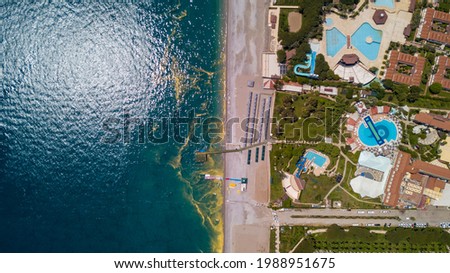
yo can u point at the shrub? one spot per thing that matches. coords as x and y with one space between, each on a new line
435 88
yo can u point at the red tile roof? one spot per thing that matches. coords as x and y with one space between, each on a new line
430 169
443 63
435 183
392 190
433 120
428 33
420 171
373 111
290 53
351 121
418 64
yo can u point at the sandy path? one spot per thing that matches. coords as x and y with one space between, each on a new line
246 220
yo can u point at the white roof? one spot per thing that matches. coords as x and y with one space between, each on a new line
379 163
290 191
328 90
367 187
359 74
294 88
270 65
444 201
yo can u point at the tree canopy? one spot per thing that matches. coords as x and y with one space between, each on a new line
435 88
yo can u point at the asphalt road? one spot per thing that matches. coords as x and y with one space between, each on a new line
325 217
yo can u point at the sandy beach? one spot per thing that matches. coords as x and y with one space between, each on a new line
246 216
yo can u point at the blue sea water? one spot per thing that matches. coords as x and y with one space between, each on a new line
68 68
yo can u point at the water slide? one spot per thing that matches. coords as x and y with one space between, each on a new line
310 63
373 130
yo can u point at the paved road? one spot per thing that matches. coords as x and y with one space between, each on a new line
432 216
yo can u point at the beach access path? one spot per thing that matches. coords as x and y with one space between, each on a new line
247 219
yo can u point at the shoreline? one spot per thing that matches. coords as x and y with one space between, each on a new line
224 112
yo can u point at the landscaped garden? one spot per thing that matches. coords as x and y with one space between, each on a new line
360 239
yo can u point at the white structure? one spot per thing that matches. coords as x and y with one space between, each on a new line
290 186
444 201
328 90
354 73
367 186
292 88
270 66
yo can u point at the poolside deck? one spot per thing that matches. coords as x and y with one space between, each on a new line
392 31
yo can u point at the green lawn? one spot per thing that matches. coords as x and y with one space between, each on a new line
280 156
359 239
316 188
350 203
288 2
290 236
305 117
272 241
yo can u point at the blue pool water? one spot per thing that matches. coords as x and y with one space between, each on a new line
318 159
329 21
359 40
385 3
386 130
335 41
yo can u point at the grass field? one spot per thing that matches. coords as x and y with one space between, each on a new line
361 240
316 188
290 236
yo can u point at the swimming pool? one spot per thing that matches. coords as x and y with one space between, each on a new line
386 129
329 22
317 159
385 3
367 40
335 41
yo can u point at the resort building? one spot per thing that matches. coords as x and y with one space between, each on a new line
328 90
371 175
290 54
352 45
270 66
433 120
293 87
312 161
417 184
442 75
351 70
435 26
380 17
269 84
405 68
293 185
445 151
